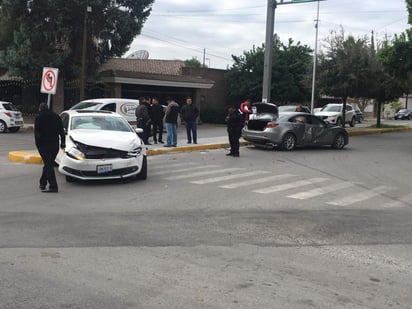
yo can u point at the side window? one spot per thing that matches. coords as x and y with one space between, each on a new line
348 107
316 122
65 120
298 119
109 107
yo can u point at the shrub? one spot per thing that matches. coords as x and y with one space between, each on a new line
213 115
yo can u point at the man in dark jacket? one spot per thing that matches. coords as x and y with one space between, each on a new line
158 114
189 114
143 120
234 130
48 127
172 113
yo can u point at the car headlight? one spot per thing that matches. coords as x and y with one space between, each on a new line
135 152
76 154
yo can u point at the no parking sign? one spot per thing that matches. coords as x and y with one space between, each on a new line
49 80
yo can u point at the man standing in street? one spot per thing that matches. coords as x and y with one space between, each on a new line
189 114
234 130
158 114
48 127
172 113
143 119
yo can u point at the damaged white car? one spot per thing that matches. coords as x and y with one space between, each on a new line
100 145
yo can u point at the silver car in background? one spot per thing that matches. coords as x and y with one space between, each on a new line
266 128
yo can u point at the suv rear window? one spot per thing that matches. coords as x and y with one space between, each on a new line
10 107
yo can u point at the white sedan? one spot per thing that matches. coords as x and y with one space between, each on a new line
100 145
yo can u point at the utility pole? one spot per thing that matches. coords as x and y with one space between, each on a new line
84 49
204 56
315 61
270 25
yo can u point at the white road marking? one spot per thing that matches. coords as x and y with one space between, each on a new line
291 185
166 166
361 196
191 175
256 181
228 177
321 191
187 169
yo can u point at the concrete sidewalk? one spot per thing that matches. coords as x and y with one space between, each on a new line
209 137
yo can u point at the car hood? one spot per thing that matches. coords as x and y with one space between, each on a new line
326 113
124 141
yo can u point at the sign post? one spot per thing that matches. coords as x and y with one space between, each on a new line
49 82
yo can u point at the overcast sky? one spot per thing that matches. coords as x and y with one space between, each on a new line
183 29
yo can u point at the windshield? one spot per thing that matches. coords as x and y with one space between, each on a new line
403 111
100 123
332 108
87 105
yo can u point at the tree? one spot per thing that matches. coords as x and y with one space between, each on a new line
50 33
193 63
290 74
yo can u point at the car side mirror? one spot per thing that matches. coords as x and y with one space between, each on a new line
139 130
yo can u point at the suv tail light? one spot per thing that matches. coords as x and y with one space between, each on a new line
272 124
7 114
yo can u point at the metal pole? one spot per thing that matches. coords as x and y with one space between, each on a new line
84 49
267 66
315 56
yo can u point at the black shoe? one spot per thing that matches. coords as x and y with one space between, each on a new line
189 142
147 143
161 142
235 155
194 142
42 187
50 190
229 154
155 142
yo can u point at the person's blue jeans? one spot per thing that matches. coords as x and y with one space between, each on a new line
191 131
171 131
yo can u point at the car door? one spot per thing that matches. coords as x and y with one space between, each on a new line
316 131
298 124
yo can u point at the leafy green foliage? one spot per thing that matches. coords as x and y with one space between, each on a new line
42 33
290 74
193 63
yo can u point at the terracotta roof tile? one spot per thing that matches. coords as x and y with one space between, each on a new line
149 66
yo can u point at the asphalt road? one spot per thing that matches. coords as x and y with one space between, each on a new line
312 228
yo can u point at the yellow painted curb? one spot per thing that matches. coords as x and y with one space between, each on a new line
25 157
34 158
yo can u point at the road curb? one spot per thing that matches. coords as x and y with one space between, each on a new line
31 157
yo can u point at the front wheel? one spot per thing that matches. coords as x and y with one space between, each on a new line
3 127
352 122
339 122
288 142
339 141
143 172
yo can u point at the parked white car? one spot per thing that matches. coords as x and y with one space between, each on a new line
332 113
100 145
11 118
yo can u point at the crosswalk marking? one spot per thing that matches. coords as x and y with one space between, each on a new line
167 166
401 202
256 181
191 175
291 185
228 177
321 191
187 169
361 196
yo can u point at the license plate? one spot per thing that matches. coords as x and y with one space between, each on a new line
18 122
102 169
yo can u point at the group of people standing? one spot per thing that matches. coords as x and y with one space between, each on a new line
151 115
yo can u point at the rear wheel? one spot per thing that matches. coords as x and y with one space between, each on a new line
352 122
339 122
143 172
288 142
339 141
3 126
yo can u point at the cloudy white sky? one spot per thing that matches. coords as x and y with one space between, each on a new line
182 29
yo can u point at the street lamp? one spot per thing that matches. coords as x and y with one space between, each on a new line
84 48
